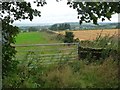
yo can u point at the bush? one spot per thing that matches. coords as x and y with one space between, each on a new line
78 74
69 37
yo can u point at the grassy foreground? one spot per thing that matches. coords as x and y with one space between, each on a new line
76 74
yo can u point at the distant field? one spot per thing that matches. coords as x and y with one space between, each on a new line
92 34
35 38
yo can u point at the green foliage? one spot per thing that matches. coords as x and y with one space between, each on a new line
32 29
103 46
76 66
62 26
10 12
60 37
8 52
92 75
76 74
54 27
92 11
26 76
110 43
118 26
69 37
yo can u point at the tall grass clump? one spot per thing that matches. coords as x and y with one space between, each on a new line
75 74
80 75
108 44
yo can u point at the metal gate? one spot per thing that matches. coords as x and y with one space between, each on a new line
48 53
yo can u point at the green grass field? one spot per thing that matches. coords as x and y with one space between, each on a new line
35 38
37 51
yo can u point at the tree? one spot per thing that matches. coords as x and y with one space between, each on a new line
54 27
92 11
69 37
118 26
67 26
12 11
32 29
61 26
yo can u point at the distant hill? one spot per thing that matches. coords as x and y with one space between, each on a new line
75 26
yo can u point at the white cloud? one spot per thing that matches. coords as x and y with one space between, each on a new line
57 12
54 12
113 19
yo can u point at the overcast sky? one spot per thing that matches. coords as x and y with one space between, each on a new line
56 12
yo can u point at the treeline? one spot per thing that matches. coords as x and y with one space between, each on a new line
62 26
30 29
118 26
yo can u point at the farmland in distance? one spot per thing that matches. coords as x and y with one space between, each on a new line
92 34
